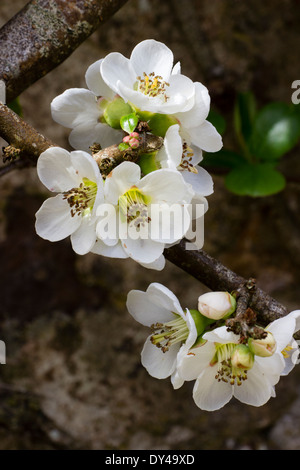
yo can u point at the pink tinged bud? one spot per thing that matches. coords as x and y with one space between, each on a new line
216 305
263 347
135 135
126 138
134 143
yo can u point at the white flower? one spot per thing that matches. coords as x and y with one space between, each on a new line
194 127
150 211
77 179
148 79
288 349
217 380
177 154
82 110
173 330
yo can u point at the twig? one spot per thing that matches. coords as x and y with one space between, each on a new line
20 135
216 276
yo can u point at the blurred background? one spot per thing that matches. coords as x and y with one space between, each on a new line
73 378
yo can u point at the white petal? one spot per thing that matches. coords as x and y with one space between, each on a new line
177 68
197 156
85 166
74 107
83 239
221 335
55 170
120 180
201 182
169 222
85 135
256 390
115 251
176 380
272 365
292 359
296 315
96 83
157 265
180 87
158 364
161 295
116 68
164 185
192 364
143 251
152 56
146 309
173 145
283 330
210 395
199 111
206 137
54 221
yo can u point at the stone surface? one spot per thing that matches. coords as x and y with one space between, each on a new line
73 377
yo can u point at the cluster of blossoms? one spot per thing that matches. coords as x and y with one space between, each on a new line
138 132
198 345
120 212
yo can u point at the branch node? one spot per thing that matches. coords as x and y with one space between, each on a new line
244 322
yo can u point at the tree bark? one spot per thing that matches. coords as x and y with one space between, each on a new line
43 34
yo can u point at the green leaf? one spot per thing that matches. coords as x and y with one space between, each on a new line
217 120
129 122
243 116
255 180
276 131
223 159
123 146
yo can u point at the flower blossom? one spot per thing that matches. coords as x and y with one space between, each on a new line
72 212
174 330
176 154
221 372
142 219
148 80
83 110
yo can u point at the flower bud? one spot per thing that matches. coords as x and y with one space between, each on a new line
114 111
264 347
216 305
242 357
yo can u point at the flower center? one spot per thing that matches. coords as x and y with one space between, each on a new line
81 200
134 207
167 334
152 85
186 159
226 371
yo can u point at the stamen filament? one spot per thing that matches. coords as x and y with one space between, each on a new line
172 332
